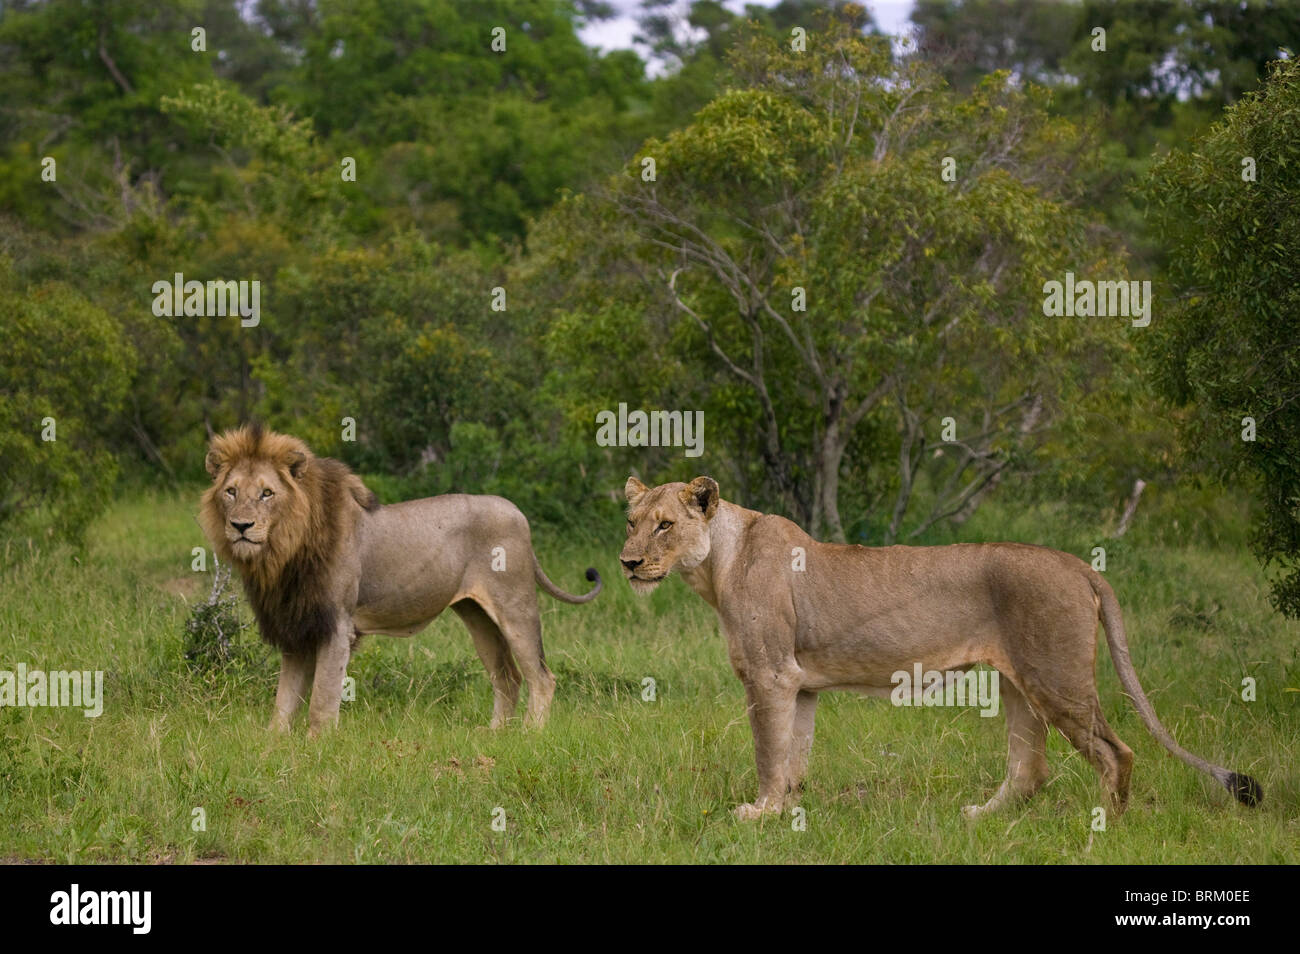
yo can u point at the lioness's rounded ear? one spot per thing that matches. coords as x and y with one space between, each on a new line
702 492
633 490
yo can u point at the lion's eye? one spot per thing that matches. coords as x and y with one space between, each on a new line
267 493
665 525
230 492
630 526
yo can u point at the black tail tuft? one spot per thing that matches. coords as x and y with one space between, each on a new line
1245 789
594 577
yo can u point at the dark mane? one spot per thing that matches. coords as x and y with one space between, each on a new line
296 613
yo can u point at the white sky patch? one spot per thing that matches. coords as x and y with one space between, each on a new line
616 33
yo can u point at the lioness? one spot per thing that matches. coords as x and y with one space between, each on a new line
855 615
323 564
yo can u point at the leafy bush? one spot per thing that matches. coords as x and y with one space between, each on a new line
64 371
212 632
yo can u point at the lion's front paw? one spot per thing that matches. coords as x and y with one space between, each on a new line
751 811
316 730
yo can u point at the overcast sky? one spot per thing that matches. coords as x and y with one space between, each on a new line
616 32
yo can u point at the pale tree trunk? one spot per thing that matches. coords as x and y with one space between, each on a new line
834 444
828 464
1130 507
907 463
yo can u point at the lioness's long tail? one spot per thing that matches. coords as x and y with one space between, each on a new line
545 583
1244 788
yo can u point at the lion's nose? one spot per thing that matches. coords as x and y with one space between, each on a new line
241 527
632 564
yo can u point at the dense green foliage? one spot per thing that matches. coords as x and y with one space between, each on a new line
1229 210
802 266
227 164
435 311
64 365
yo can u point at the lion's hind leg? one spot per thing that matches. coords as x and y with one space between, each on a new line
805 717
495 654
1026 752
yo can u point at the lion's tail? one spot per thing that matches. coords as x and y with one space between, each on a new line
545 583
1244 788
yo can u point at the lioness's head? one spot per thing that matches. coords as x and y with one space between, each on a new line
667 529
255 511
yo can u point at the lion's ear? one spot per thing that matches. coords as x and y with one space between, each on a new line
297 461
702 492
633 490
218 453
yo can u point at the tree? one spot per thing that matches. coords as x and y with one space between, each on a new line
1228 208
473 137
1167 69
969 39
1158 52
820 174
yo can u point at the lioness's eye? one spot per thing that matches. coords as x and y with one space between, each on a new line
267 493
230 491
665 525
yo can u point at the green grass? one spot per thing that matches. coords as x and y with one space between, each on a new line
411 777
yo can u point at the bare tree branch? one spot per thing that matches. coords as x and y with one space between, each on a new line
121 80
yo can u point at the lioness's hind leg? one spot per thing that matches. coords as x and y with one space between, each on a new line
1026 752
523 633
1088 731
495 654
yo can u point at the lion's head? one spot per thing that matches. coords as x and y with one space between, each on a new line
667 529
271 499
257 512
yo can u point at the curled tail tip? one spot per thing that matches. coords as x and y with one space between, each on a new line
592 575
1245 789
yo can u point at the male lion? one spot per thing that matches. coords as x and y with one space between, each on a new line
854 615
323 564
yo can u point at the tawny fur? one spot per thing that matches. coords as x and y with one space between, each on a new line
322 564
854 615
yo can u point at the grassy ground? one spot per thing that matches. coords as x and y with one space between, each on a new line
410 776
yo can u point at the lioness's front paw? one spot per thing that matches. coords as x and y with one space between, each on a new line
752 812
